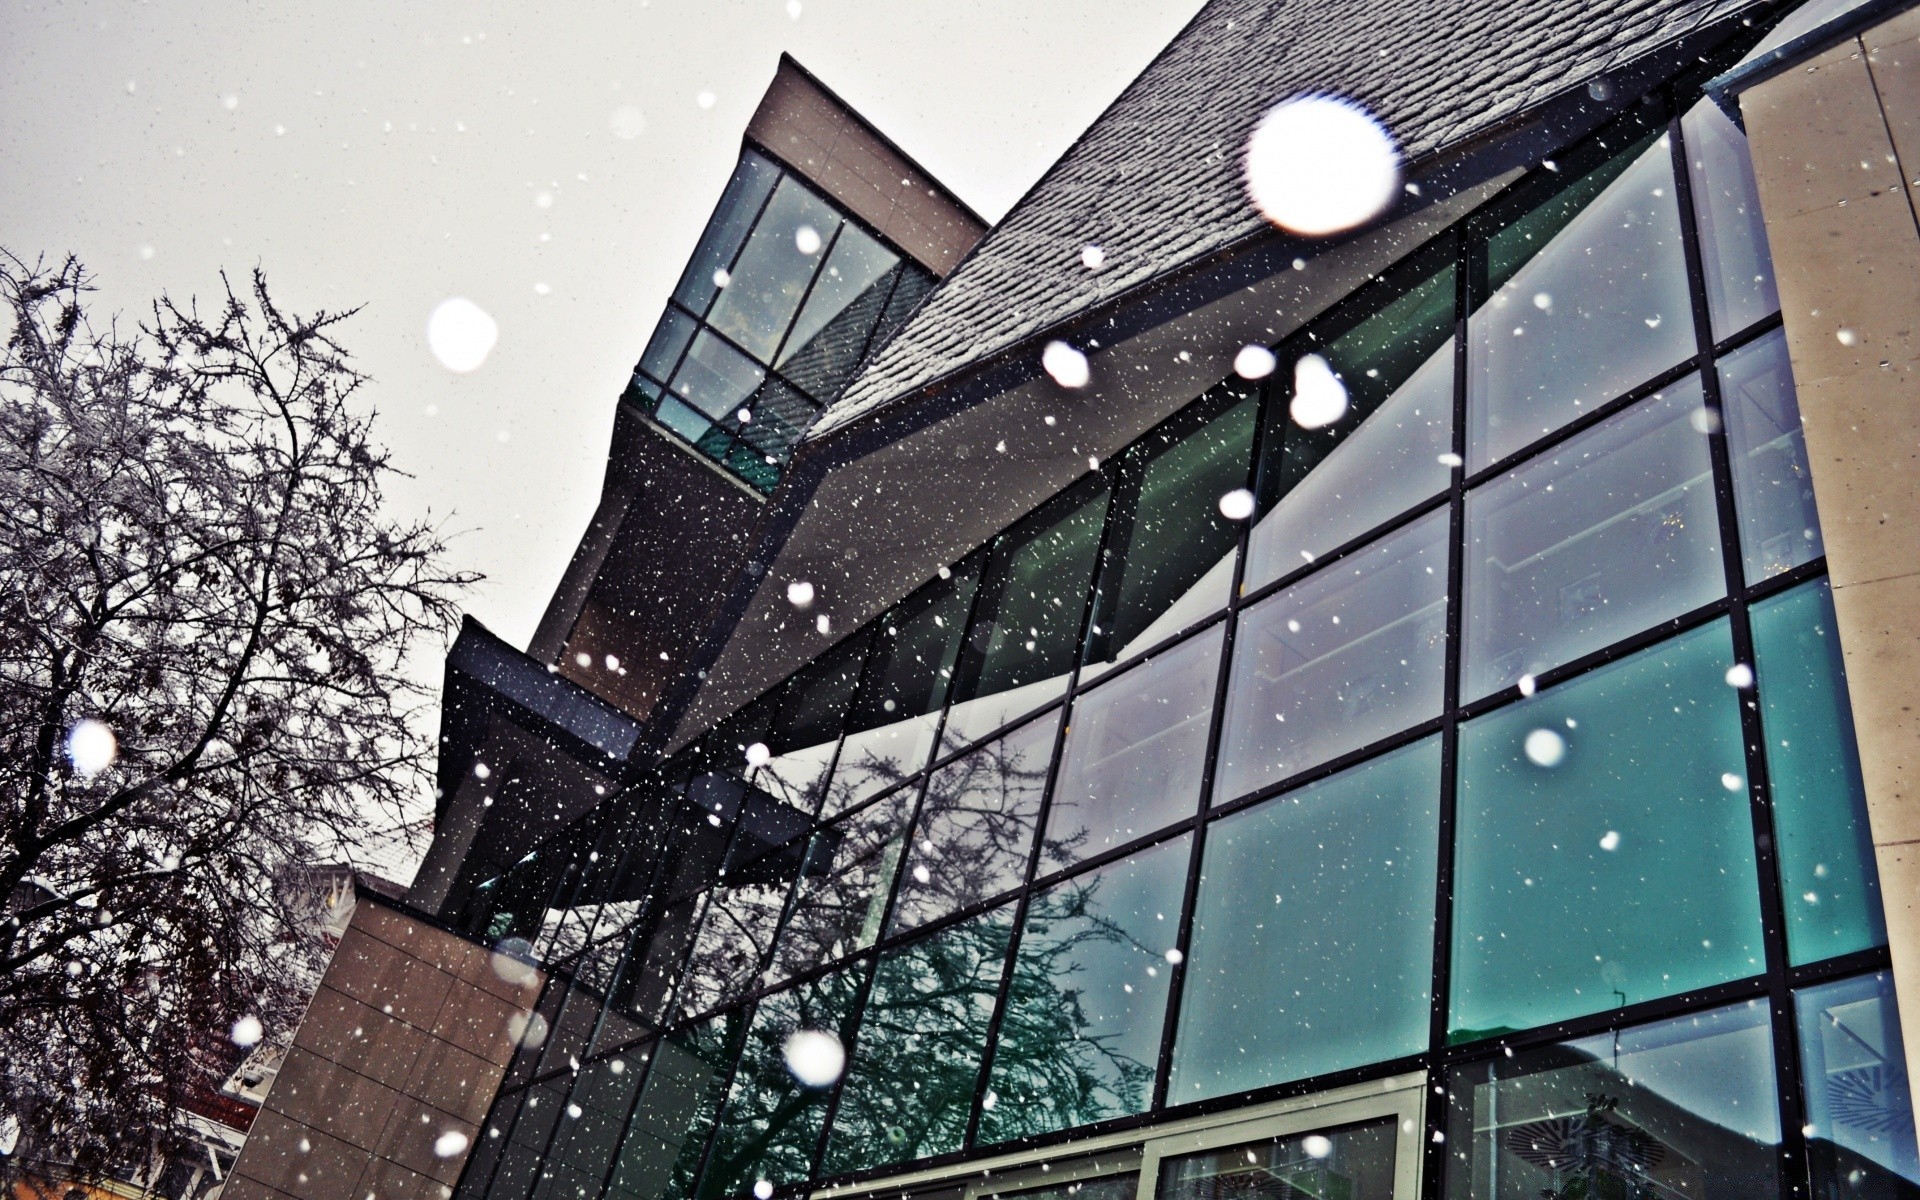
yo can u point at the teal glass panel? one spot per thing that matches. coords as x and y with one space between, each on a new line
1313 932
1682 1109
973 838
916 1066
1726 205
841 897
770 277
909 665
1169 558
1588 297
1604 535
1080 1041
1321 488
667 1133
1853 1065
1352 1162
752 181
770 1125
1828 880
1772 482
1345 657
682 419
1135 748
1604 843
1026 627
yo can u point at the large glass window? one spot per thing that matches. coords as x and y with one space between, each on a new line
1772 483
1828 880
1169 557
770 1125
831 332
668 1131
1595 540
805 734
1684 1108
1321 488
1355 1162
735 935
774 269
1726 205
912 1080
1586 297
1026 629
1313 933
1345 657
1080 1041
1860 1142
1135 748
890 730
841 898
753 181
1604 851
716 379
974 836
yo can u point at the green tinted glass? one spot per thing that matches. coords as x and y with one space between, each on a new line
911 1084
770 1125
1313 933
668 1131
1827 875
1605 843
1081 1037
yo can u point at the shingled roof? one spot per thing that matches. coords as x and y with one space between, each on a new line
1155 182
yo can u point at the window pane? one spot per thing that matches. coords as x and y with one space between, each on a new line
771 275
770 1125
653 965
806 733
1595 540
668 1132
1026 632
1685 1108
916 1066
1584 817
1339 660
1352 1163
682 419
1828 877
1080 1041
726 229
1772 485
715 378
1336 970
735 935
1134 751
1321 488
1726 207
1169 560
909 663
975 831
842 894
830 336
1589 298
1859 1114
780 415
670 337
584 1145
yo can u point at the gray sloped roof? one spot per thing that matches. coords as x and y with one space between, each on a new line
1155 182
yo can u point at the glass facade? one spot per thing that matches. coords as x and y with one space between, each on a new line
782 299
1505 744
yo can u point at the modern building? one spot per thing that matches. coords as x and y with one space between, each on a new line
1476 758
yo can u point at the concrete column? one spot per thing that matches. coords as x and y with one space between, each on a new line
1836 151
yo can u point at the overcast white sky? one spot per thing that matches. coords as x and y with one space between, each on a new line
394 155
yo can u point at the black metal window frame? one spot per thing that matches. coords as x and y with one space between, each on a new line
1775 984
725 438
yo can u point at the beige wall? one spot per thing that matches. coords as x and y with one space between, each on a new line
1836 149
406 1041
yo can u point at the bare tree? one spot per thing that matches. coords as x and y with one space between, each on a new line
204 616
